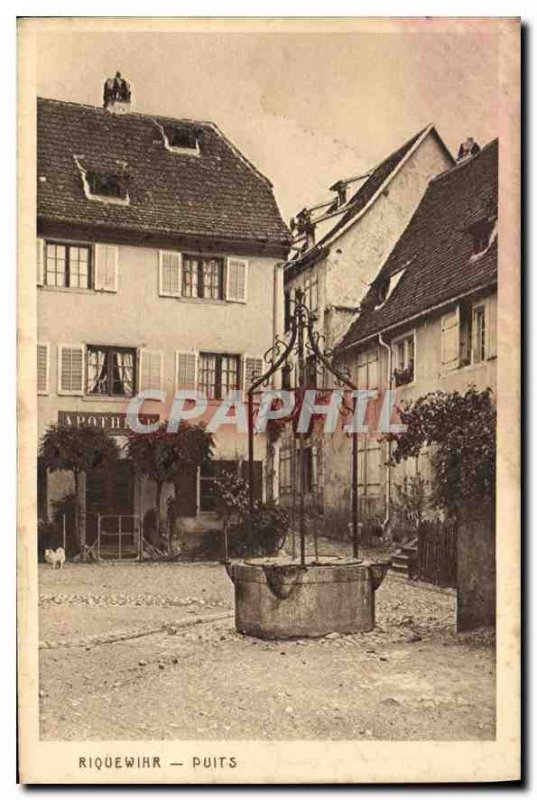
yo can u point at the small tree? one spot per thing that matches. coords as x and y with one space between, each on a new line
411 501
461 430
232 493
162 455
77 450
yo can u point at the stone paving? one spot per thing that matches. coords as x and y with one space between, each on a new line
149 651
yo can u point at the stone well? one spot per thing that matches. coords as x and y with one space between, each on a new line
280 599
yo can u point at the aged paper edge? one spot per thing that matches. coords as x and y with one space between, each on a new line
275 762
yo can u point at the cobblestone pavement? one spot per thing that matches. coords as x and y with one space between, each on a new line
149 651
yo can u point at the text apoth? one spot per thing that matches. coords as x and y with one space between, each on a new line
106 421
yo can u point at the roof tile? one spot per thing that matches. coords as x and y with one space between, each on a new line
219 194
435 249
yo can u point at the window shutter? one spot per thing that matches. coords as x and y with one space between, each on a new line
252 367
237 280
71 369
186 370
450 341
169 274
314 468
492 326
106 267
42 368
150 369
40 262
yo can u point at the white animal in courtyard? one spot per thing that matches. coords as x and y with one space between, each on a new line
54 557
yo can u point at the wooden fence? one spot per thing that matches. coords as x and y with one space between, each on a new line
436 560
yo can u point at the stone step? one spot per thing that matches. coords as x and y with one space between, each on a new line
409 548
400 558
400 569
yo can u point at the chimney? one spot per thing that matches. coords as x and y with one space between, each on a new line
305 226
117 94
467 149
341 188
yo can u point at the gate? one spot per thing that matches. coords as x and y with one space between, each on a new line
119 536
436 560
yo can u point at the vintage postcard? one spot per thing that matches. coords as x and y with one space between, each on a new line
269 388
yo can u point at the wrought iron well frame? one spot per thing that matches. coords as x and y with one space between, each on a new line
302 342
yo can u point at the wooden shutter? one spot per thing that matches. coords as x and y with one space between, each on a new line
450 341
40 262
314 468
251 366
42 368
186 370
492 307
237 280
106 267
71 370
169 274
150 362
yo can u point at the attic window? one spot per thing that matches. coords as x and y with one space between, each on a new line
102 184
386 287
181 140
483 235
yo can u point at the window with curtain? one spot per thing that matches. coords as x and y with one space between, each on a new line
203 277
404 360
479 334
219 374
111 371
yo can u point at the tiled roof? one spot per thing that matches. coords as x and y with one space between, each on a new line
435 250
218 194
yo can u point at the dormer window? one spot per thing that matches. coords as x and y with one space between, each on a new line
385 287
483 235
102 184
184 139
104 187
180 139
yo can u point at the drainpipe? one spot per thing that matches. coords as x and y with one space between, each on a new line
388 466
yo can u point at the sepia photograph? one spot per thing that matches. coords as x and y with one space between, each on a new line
268 400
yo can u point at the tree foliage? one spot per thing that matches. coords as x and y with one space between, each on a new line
162 455
410 502
77 450
461 431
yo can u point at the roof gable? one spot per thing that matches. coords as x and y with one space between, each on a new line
367 192
370 187
215 192
436 249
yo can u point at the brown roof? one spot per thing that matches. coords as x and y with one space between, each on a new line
218 195
435 250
